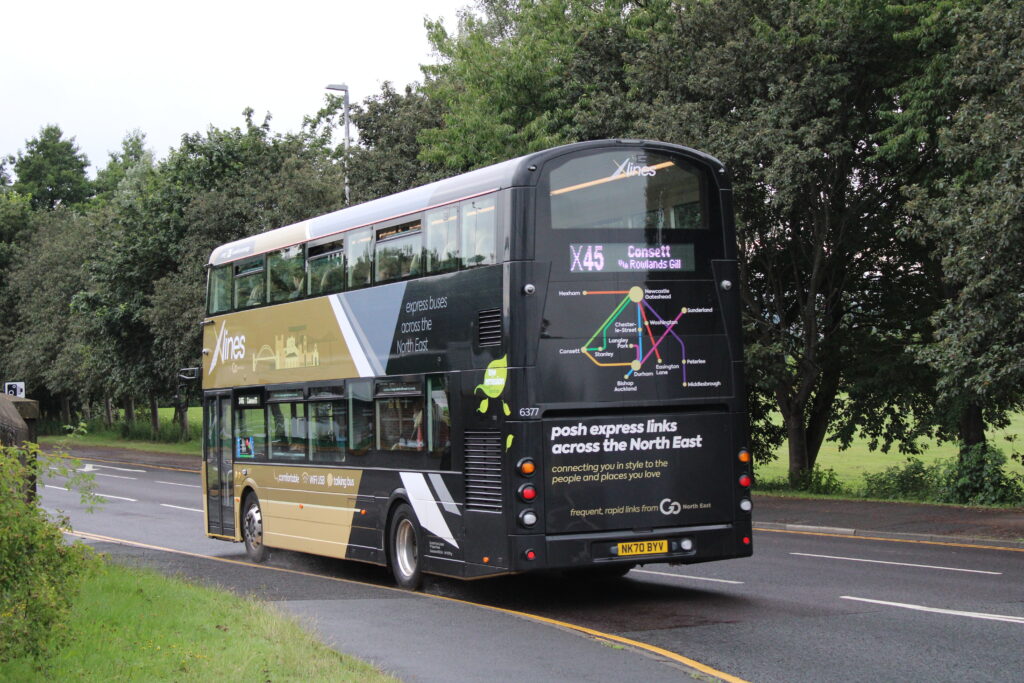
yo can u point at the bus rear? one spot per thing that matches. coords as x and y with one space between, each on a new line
627 426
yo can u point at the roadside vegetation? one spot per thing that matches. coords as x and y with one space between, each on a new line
68 615
120 433
129 624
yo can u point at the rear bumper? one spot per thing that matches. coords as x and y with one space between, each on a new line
576 551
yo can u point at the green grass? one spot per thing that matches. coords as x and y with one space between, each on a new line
130 624
851 465
138 435
194 447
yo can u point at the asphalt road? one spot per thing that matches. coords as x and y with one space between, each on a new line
805 607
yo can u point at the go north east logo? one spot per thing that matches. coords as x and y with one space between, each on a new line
227 347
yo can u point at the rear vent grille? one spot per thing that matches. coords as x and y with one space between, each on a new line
483 470
489 327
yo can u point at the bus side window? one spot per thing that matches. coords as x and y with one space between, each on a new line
442 247
288 431
400 423
249 286
478 232
325 267
219 297
328 425
359 247
398 252
251 434
361 417
439 419
285 274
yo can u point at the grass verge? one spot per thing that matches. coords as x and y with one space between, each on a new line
131 624
107 440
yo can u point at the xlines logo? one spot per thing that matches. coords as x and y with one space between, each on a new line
227 347
634 166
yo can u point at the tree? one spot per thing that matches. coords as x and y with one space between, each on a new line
963 113
133 151
387 158
51 170
791 96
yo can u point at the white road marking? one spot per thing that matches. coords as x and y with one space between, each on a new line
51 486
90 467
107 495
174 483
114 476
178 507
683 576
899 564
936 610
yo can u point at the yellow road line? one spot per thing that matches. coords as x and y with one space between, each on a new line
947 544
668 654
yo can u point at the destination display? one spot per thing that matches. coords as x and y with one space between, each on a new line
607 342
636 472
630 258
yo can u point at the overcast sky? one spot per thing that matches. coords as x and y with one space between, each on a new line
100 69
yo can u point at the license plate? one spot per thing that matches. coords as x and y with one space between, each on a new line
643 547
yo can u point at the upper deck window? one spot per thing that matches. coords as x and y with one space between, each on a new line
479 222
220 290
325 267
442 249
359 247
249 285
627 188
399 252
287 274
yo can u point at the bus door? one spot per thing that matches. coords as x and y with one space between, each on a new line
219 476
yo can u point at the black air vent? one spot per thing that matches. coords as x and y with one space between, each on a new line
488 331
483 470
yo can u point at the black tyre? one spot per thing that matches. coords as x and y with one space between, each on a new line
252 529
405 548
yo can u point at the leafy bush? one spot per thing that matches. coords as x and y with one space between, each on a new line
911 480
978 477
39 572
817 481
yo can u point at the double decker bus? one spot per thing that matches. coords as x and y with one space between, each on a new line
536 365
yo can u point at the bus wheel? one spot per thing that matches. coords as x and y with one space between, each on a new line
405 543
252 529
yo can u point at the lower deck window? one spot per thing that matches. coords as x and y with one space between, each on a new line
328 438
251 434
400 424
287 422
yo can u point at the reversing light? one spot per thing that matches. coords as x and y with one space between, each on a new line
745 480
746 505
527 518
528 492
686 544
526 467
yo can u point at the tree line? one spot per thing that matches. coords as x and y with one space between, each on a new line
877 156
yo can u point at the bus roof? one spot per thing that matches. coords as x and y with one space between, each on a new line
511 173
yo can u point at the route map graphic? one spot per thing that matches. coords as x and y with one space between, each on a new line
621 341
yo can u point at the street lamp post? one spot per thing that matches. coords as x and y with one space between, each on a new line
344 88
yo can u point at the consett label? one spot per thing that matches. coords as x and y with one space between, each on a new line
227 347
